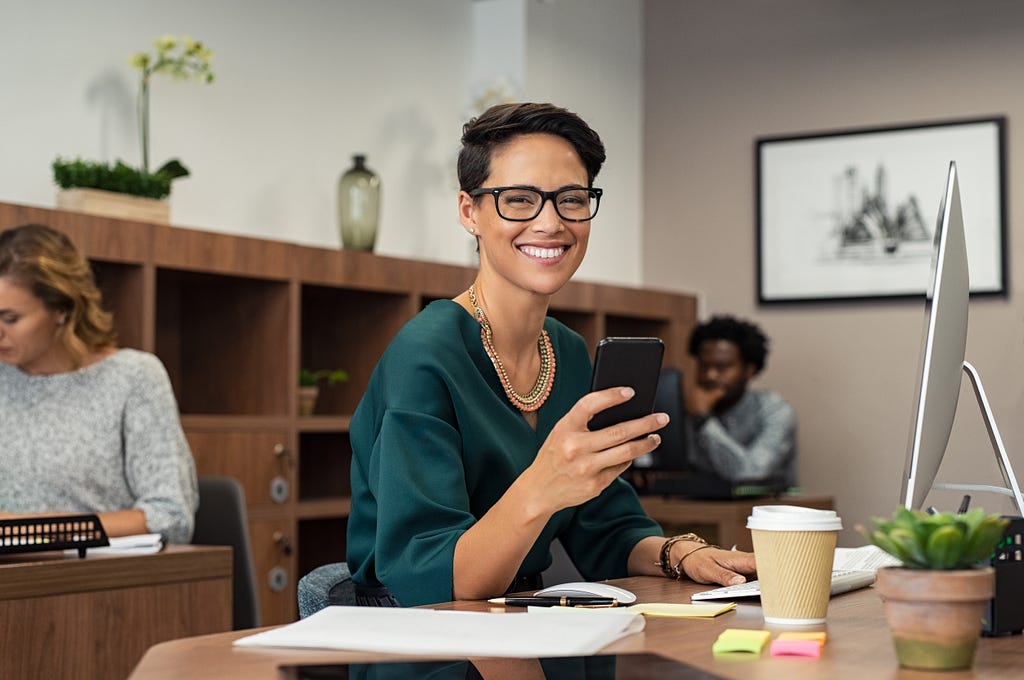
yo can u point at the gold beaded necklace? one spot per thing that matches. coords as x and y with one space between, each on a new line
545 379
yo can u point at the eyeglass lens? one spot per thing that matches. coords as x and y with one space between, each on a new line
526 204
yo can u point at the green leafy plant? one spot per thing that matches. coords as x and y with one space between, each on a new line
182 58
70 173
943 540
311 378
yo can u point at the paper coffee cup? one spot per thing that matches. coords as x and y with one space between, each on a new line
794 548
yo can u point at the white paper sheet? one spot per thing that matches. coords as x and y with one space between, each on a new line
450 633
865 558
138 544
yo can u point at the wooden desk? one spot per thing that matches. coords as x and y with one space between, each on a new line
858 647
95 617
721 522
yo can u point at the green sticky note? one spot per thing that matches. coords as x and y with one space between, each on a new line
740 640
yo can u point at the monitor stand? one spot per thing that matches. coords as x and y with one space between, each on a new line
1011 489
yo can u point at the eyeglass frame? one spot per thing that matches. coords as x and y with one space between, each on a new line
544 197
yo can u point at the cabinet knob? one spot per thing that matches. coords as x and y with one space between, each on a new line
283 542
277 579
282 452
280 489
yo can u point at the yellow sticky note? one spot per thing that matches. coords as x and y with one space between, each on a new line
816 635
694 611
740 640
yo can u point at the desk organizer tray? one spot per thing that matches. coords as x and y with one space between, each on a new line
59 532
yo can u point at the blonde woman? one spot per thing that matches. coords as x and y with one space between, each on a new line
85 427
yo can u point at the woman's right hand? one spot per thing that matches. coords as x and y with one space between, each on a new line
575 464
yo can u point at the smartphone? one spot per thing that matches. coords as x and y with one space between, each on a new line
627 362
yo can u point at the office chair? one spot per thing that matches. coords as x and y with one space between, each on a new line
221 520
331 584
328 584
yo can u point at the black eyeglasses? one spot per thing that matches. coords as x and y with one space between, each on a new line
522 204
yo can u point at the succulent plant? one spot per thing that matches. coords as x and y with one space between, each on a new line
311 378
943 540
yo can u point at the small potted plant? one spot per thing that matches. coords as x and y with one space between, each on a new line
119 189
309 386
935 603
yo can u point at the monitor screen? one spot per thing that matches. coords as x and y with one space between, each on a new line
945 340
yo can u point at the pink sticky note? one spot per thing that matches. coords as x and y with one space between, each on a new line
796 648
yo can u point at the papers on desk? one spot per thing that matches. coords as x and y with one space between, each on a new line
864 558
451 633
139 544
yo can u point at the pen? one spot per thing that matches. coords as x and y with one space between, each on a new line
555 601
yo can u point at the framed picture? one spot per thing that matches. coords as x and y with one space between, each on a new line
851 215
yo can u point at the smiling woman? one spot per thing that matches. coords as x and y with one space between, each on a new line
470 448
84 426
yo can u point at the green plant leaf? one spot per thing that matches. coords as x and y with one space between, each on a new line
945 546
172 169
983 540
912 551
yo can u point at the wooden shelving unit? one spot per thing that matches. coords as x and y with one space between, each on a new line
233 318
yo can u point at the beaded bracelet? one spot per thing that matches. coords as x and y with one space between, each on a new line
663 562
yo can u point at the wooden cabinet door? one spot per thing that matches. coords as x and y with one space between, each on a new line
261 460
273 546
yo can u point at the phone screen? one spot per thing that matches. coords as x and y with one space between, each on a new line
627 362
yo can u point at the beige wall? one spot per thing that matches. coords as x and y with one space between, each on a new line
719 75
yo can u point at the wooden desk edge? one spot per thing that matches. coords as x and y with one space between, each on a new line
56 575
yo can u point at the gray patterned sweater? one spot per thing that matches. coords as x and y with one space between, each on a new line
753 440
105 437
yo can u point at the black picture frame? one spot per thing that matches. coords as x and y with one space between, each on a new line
850 215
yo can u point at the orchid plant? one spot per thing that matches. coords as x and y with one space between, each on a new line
181 58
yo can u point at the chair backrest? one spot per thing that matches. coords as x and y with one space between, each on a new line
328 584
672 453
222 520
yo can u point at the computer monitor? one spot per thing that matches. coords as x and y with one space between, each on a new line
945 342
943 365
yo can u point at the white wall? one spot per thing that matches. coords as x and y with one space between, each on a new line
719 75
303 85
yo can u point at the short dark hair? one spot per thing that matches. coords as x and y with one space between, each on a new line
500 124
751 341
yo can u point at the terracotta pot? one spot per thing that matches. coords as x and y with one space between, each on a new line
307 400
935 616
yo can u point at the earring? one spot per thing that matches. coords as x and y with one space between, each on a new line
472 230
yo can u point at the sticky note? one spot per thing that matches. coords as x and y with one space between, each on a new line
697 611
816 635
795 648
740 640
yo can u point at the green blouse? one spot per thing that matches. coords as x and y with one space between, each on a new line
435 443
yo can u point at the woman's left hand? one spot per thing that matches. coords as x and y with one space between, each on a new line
709 564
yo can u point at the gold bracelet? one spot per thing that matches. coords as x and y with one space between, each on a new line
663 562
679 565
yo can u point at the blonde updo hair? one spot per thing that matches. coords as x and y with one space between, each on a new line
45 262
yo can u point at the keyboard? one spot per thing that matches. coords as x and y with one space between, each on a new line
843 580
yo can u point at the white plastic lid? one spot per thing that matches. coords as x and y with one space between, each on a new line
792 518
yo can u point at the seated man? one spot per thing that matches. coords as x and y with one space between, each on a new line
740 435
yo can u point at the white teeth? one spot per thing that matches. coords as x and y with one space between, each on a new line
543 253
